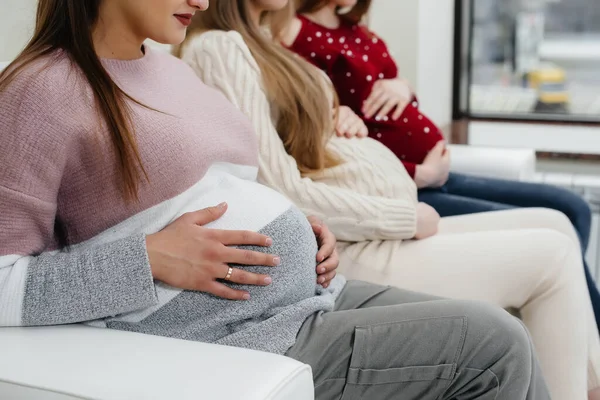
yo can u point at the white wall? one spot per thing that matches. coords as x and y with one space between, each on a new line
17 19
396 21
420 34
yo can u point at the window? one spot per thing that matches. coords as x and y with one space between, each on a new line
529 59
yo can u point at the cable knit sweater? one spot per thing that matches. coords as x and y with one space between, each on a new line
58 164
368 197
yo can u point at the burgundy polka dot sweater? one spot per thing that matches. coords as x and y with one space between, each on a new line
354 59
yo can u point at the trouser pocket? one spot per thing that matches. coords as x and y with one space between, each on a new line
405 360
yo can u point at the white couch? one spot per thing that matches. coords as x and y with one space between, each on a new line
80 362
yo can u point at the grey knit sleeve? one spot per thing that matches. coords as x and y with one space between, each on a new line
78 286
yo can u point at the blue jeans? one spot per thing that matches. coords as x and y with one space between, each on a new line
464 194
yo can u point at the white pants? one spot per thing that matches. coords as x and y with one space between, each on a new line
525 259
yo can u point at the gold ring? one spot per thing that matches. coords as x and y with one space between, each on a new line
229 272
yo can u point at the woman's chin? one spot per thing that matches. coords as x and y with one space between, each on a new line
171 38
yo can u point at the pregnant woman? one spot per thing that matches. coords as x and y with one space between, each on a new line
328 34
113 156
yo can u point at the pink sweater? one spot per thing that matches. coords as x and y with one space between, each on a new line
57 163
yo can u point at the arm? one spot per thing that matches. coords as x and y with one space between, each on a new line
222 60
304 48
290 33
40 287
62 288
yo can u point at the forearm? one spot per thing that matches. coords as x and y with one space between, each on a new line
424 176
76 286
350 216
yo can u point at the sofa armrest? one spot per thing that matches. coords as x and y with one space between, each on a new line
512 164
80 362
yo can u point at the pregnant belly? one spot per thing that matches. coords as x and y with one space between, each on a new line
255 208
260 209
295 278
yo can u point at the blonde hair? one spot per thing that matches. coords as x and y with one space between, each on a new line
304 118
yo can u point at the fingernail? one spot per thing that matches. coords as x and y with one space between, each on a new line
320 259
276 260
377 118
322 270
246 296
269 241
268 280
321 280
222 205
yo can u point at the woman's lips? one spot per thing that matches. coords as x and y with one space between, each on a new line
185 19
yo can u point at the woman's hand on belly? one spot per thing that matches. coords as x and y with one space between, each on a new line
349 124
188 256
386 96
327 258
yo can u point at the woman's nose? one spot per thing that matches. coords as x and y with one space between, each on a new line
199 4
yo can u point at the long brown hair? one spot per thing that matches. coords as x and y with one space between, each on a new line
355 15
67 25
304 119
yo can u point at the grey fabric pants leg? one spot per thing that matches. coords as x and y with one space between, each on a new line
387 343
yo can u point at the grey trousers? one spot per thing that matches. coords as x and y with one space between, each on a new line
387 343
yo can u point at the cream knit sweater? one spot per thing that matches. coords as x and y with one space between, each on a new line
368 197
